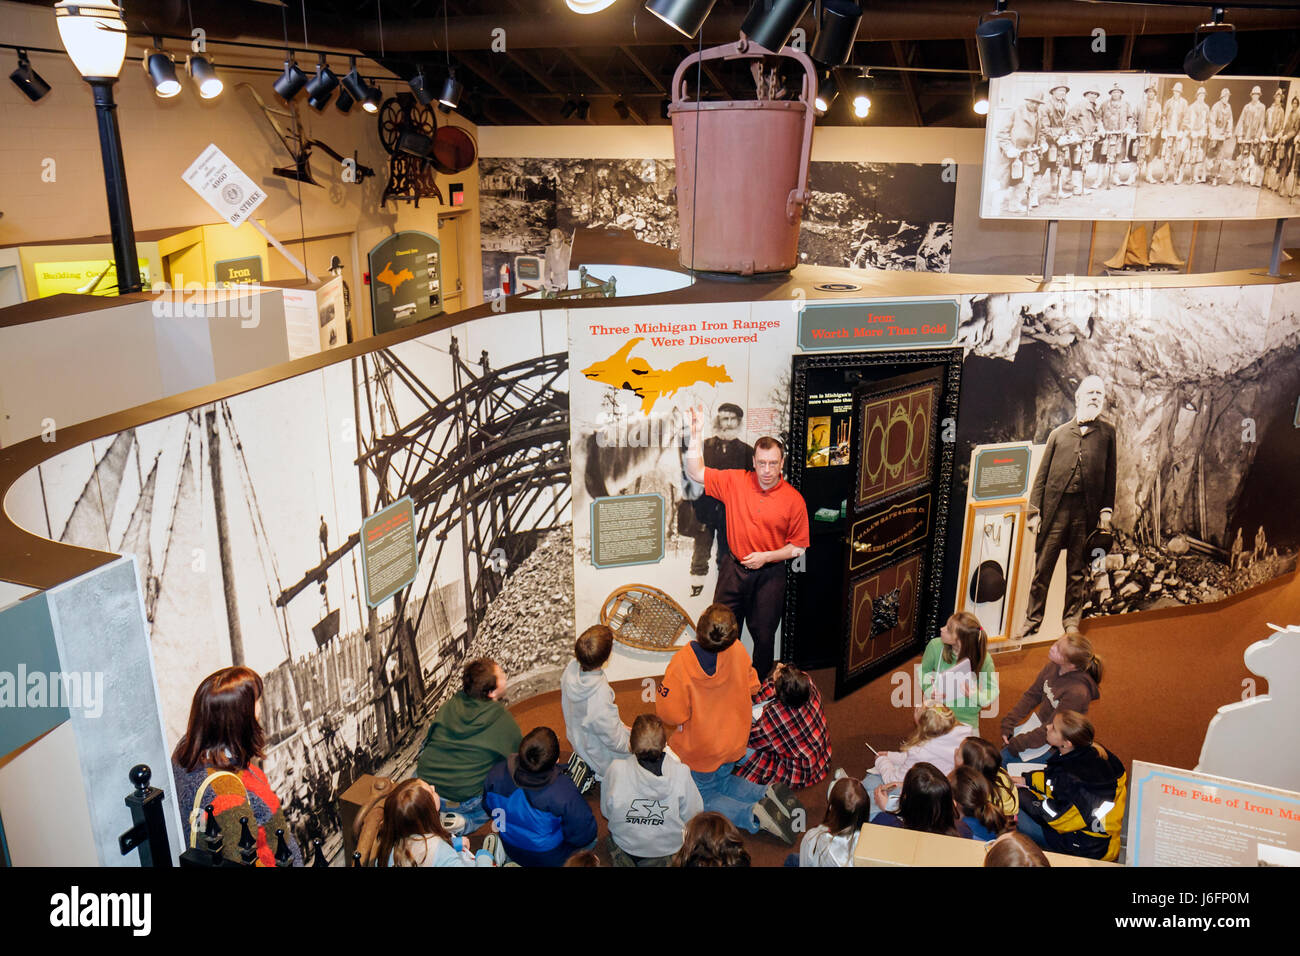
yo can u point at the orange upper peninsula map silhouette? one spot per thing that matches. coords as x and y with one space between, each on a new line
394 279
650 384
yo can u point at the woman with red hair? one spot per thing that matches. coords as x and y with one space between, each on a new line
218 761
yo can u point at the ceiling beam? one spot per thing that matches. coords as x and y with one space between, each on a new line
605 87
493 79
645 70
1049 53
909 83
709 73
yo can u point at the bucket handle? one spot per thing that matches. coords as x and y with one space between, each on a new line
744 49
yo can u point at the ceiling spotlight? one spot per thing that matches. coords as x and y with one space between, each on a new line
1212 53
568 109
980 103
684 16
344 101
161 69
94 36
621 108
861 96
836 32
419 85
584 107
996 39
826 93
200 68
353 83
27 79
374 96
588 6
288 83
321 86
769 22
451 90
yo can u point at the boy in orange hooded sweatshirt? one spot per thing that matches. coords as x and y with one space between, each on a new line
707 693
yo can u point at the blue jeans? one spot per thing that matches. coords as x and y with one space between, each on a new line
734 797
1031 828
871 781
472 810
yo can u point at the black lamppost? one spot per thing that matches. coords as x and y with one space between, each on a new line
95 37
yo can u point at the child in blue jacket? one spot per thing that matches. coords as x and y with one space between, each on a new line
535 808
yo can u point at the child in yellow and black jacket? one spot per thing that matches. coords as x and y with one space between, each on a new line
1075 804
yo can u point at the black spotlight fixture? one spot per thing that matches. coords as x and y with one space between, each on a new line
353 83
419 85
621 108
996 38
321 86
344 101
374 97
161 69
289 83
584 108
684 16
449 98
836 32
770 22
569 108
826 93
1215 51
27 79
205 75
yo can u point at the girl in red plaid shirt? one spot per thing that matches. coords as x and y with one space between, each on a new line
788 743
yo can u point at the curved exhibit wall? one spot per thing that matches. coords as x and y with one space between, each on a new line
245 515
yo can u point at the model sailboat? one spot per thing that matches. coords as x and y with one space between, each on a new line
1133 254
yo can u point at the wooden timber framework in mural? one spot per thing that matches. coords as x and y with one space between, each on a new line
490 459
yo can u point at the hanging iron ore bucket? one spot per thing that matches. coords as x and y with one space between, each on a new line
742 171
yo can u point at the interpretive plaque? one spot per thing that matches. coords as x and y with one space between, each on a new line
388 554
626 530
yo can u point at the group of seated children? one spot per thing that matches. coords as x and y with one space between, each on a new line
740 750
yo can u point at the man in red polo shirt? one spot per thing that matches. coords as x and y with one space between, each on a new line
767 525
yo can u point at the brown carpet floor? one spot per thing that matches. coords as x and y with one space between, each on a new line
1166 673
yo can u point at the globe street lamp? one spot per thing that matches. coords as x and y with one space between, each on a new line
95 37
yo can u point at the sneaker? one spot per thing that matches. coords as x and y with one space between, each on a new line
771 819
784 798
454 823
492 843
1030 629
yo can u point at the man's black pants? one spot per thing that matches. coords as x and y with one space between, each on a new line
756 598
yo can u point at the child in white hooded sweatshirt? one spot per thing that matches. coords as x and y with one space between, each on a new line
591 719
648 799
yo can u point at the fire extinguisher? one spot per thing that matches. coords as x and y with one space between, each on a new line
505 278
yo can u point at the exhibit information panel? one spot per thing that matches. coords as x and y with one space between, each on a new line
877 325
627 530
388 553
1185 818
1140 147
1001 472
405 280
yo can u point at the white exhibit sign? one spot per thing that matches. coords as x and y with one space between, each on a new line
224 186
